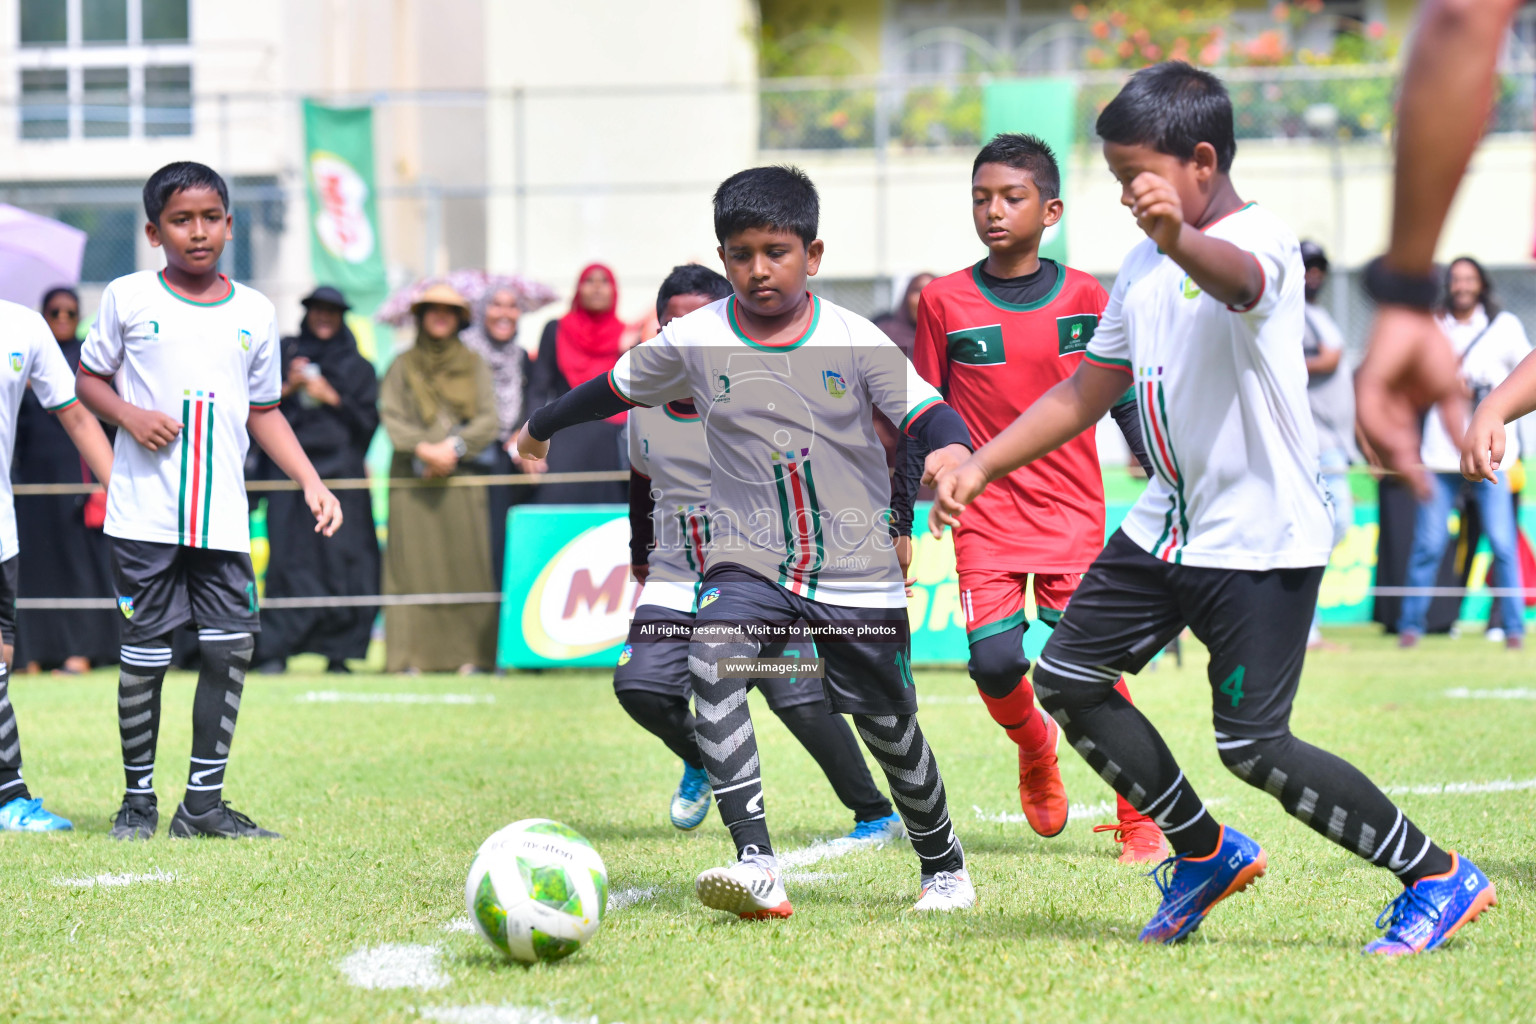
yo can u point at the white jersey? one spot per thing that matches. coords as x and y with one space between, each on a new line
1488 351
799 491
666 446
1223 398
32 358
205 365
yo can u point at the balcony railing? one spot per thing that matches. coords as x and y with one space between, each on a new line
934 112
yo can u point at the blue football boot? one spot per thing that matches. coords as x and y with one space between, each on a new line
1430 910
27 815
690 804
1191 886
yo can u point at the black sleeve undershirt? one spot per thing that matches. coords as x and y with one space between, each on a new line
934 429
1128 419
586 403
642 528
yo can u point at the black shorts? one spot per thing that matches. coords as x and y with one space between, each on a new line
655 659
10 573
867 652
1130 605
161 587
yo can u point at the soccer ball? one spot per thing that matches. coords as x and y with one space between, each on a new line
537 890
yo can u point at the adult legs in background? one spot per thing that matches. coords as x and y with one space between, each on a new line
1497 507
1429 538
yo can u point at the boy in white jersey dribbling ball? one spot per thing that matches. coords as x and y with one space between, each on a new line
1231 535
194 360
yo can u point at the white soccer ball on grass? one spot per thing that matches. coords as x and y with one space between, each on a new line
537 890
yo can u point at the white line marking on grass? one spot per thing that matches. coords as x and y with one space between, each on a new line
1075 812
632 895
504 1014
395 965
108 881
811 877
460 924
944 698
1513 693
1459 788
347 697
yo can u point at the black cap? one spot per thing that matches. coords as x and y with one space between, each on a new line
325 295
1312 255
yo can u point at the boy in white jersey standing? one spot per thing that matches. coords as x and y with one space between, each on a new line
34 361
1231 535
195 360
799 511
669 530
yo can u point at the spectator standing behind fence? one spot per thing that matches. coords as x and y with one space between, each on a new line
493 337
1331 394
330 398
1488 344
439 408
582 344
67 554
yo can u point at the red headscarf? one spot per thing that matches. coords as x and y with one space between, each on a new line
586 343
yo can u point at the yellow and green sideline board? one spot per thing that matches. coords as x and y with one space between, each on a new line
568 595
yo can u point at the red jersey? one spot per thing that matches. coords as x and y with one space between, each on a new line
993 359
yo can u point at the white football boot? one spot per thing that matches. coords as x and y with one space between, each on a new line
946 890
751 888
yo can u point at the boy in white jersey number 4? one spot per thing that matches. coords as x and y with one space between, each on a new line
799 510
194 357
1231 535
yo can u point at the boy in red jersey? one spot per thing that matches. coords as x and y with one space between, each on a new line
993 338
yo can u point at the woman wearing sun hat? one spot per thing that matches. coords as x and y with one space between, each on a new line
438 404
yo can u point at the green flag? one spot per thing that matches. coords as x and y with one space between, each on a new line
1044 107
343 213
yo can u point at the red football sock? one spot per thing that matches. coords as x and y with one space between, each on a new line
1016 714
1123 808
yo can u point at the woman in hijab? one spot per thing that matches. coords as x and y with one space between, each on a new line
330 398
438 403
583 344
66 553
493 337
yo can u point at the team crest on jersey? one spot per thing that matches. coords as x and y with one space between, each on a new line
722 388
1074 332
244 337
625 654
834 383
154 331
125 605
1189 288
16 361
709 597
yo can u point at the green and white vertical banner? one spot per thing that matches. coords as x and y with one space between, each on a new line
346 249
1043 107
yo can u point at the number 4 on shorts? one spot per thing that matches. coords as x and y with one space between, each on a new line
1233 686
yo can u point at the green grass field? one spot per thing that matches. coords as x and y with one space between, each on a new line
384 804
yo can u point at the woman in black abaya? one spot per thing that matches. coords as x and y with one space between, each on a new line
63 551
330 397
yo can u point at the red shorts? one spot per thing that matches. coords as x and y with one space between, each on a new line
993 599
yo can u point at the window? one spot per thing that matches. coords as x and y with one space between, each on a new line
105 111
112 235
165 21
102 69
43 22
167 101
45 104
104 21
